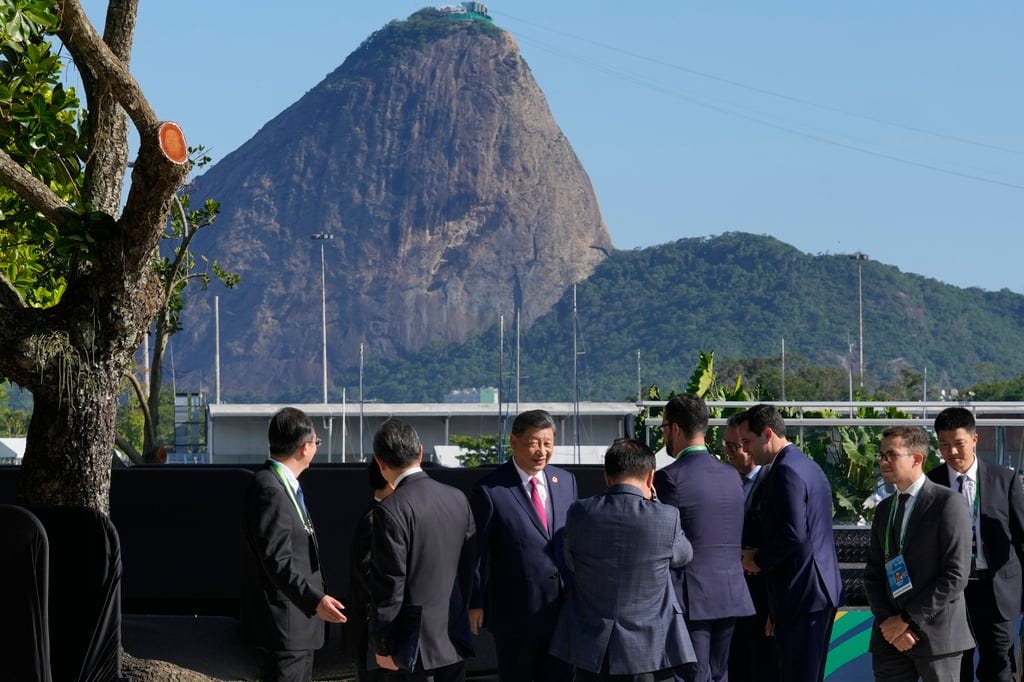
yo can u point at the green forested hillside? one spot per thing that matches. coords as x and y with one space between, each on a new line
739 295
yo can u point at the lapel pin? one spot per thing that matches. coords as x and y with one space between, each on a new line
554 479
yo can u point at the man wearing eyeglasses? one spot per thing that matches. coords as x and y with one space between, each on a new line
284 600
710 589
752 654
918 562
993 496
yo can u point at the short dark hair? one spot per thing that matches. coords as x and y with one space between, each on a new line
628 458
914 438
688 411
396 443
760 417
377 480
532 419
290 428
953 418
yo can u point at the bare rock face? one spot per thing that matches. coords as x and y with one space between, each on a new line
453 197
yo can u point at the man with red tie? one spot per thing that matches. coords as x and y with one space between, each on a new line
520 511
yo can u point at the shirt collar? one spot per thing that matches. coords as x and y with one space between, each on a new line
289 476
971 473
914 488
406 474
525 477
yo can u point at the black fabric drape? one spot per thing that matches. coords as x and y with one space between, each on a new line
84 595
25 643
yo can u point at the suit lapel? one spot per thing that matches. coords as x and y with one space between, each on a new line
518 492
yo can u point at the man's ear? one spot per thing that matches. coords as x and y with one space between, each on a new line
419 456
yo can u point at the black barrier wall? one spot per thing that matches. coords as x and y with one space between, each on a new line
180 527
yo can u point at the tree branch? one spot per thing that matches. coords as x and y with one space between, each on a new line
9 296
35 193
89 51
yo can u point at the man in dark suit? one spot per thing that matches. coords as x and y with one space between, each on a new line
423 548
520 513
798 555
709 497
752 654
994 497
283 589
621 620
359 601
918 561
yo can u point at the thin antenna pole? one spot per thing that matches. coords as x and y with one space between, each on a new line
360 400
216 350
518 351
501 365
783 368
575 378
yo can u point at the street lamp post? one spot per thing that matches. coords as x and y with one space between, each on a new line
860 257
322 237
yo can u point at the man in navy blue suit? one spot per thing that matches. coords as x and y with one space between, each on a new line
622 620
995 499
709 496
520 511
798 555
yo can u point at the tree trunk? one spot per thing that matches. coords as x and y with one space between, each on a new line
70 445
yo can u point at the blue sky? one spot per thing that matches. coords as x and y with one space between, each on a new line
896 129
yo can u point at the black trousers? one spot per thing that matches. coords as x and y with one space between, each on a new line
285 666
752 654
803 646
993 635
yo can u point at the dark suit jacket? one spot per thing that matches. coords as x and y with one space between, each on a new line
520 567
798 555
423 546
753 538
1001 510
709 497
937 551
622 605
281 578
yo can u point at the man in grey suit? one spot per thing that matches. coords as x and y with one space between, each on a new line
423 548
917 568
621 620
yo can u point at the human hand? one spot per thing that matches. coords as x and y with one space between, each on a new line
892 628
386 662
749 565
330 608
769 627
476 620
905 642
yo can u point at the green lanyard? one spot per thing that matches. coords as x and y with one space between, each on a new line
278 469
692 448
892 517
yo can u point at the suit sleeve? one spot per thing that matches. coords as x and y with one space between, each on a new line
271 527
954 556
1016 505
682 550
665 487
387 576
483 516
467 558
786 516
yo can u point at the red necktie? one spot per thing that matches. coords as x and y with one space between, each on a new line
538 503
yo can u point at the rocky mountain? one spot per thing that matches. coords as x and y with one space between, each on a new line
431 157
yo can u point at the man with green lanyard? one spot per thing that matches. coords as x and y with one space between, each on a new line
284 600
995 499
709 495
918 562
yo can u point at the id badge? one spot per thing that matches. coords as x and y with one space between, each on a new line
899 579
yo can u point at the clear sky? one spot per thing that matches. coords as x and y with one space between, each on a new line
892 128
